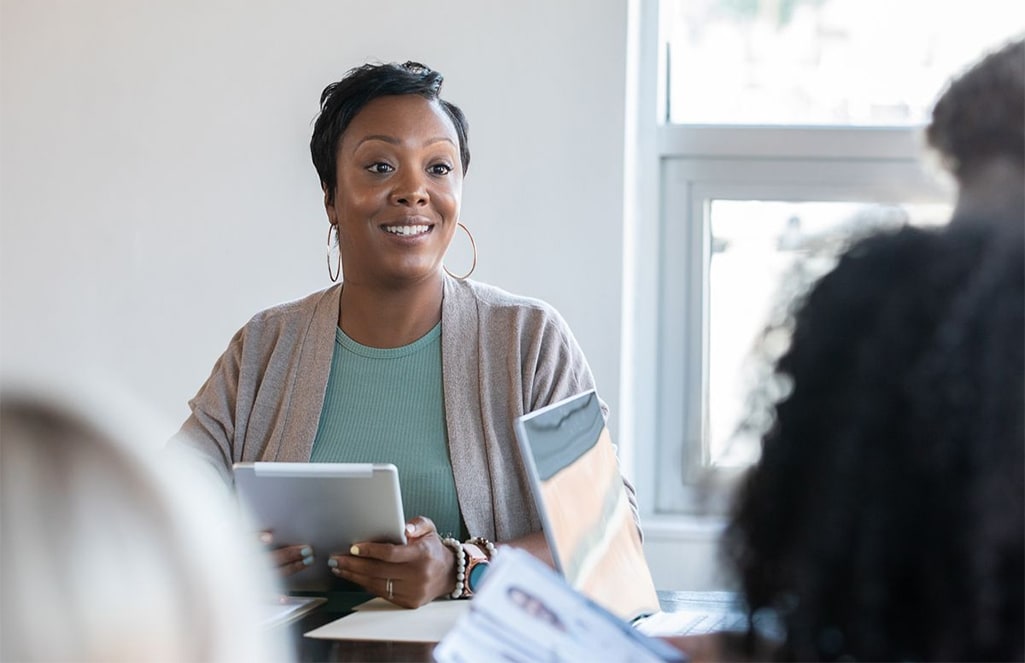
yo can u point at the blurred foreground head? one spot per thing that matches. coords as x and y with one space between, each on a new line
886 517
107 556
978 129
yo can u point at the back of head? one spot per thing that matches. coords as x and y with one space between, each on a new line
981 114
106 559
886 517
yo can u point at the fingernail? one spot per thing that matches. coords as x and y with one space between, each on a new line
410 528
308 560
266 538
354 550
333 563
337 572
306 551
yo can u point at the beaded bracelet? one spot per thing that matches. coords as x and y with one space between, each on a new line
488 547
457 550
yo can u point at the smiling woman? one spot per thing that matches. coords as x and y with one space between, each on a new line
401 362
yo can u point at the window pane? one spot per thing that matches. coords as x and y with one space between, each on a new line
763 251
823 62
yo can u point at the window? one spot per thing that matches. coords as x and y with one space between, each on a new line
769 133
821 62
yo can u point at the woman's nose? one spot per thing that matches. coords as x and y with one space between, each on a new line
410 190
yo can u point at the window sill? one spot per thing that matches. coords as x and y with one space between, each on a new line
682 528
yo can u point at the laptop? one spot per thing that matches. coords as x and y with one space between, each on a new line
588 522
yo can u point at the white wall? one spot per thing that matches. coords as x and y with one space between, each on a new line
157 188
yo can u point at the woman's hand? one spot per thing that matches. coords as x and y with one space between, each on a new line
407 575
288 560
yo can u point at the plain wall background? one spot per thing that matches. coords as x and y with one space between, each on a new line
157 188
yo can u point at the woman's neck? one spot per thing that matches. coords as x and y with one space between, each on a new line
390 317
993 191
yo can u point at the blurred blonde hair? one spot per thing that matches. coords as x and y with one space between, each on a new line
113 551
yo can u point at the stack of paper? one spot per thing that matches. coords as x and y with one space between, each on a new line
378 619
526 612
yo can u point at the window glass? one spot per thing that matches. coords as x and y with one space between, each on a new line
763 253
823 62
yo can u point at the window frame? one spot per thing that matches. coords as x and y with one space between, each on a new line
673 172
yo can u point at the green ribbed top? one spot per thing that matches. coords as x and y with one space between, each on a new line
387 406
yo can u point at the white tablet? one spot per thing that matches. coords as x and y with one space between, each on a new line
328 506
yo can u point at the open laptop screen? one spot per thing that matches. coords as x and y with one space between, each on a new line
583 504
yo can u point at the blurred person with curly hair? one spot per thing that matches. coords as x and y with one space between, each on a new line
978 130
885 519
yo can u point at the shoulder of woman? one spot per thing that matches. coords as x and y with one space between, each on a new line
297 311
492 299
290 322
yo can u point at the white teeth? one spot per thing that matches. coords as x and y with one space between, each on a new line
406 230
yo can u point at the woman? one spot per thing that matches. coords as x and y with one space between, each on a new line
885 519
401 362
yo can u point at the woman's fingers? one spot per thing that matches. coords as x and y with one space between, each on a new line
420 571
420 527
416 529
389 581
290 560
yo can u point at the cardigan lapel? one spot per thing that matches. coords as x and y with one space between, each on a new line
309 379
460 369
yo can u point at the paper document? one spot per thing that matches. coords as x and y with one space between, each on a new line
525 612
378 619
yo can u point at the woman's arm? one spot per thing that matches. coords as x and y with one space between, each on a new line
534 543
210 427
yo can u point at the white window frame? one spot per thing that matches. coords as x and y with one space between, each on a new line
672 173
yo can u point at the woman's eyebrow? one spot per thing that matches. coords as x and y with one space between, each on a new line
387 139
396 141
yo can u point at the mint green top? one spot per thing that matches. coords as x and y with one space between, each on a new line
387 406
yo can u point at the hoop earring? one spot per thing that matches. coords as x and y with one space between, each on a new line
474 265
338 260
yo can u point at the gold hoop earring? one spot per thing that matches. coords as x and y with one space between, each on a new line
474 265
338 260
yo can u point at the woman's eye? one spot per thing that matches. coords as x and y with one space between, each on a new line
440 169
380 168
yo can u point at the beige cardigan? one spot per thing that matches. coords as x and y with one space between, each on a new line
502 356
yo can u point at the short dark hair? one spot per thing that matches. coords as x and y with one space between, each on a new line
342 100
885 519
981 114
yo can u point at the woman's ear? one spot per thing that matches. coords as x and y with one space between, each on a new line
329 205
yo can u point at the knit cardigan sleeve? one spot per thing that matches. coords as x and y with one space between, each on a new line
264 395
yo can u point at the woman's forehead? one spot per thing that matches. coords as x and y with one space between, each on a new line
399 117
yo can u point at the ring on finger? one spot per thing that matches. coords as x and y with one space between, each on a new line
388 587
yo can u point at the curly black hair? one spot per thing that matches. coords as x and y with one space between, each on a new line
885 519
342 100
981 114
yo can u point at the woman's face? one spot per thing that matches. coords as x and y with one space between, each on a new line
398 191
